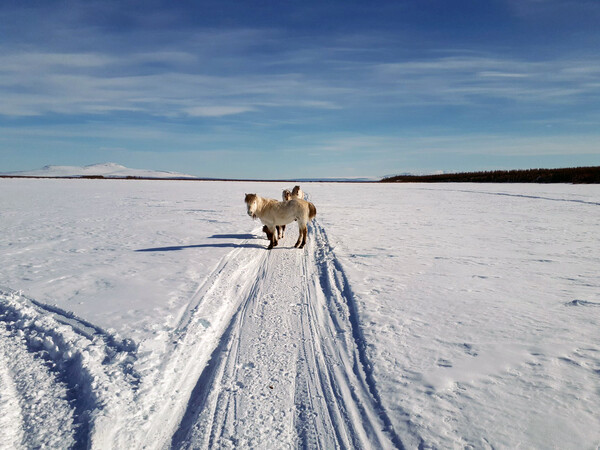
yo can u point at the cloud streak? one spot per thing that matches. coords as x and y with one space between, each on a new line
34 84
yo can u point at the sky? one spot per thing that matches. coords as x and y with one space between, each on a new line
289 89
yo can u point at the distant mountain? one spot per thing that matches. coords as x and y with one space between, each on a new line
106 170
112 170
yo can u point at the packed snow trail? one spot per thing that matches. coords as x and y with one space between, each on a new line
289 371
268 353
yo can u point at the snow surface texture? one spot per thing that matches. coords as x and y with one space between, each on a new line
107 170
149 314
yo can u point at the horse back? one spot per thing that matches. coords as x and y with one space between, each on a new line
303 208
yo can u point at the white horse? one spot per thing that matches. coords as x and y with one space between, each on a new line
280 229
287 195
273 213
294 193
297 192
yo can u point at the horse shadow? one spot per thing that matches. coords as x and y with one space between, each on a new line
215 245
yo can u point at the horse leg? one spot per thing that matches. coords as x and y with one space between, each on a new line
304 233
301 229
269 236
282 231
274 232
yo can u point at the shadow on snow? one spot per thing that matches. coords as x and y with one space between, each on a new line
173 248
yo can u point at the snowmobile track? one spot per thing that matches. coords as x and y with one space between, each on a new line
291 368
268 354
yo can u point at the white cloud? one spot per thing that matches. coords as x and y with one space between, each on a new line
479 80
493 73
461 144
180 83
216 111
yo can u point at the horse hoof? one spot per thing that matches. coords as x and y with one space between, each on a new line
270 247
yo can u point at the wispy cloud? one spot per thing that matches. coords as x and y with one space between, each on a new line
175 85
216 111
476 79
390 146
161 83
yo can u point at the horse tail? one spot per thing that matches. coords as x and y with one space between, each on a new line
312 211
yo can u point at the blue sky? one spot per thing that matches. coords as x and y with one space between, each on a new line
265 89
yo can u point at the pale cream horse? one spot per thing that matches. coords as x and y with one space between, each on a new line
294 193
287 195
273 213
297 192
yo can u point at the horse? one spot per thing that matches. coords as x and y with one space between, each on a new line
297 192
272 213
287 195
294 193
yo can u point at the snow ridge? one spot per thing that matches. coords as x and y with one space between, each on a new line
97 378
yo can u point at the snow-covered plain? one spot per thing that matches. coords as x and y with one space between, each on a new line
149 314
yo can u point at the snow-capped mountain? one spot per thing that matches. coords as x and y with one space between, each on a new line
107 170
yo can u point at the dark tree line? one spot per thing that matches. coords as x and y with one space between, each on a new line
566 175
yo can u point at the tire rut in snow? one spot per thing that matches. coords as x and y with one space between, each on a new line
245 395
289 372
343 312
203 330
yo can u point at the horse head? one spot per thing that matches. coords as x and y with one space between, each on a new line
297 192
251 204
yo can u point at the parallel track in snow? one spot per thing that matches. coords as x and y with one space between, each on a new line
290 370
268 354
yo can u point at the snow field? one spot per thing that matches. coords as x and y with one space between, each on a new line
417 315
465 295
